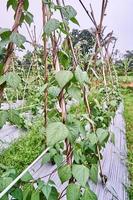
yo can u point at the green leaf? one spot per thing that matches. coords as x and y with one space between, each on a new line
46 158
63 77
28 18
9 172
4 30
17 194
26 4
64 58
58 159
81 76
102 135
17 39
3 43
89 195
1 70
5 197
56 132
35 195
14 118
4 182
12 3
46 189
53 194
64 173
75 93
73 192
27 192
12 79
93 139
94 173
27 177
69 12
54 91
3 118
2 79
81 174
51 26
75 21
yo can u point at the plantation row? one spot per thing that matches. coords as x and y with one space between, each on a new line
70 96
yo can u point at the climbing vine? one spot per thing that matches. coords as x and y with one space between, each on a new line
75 118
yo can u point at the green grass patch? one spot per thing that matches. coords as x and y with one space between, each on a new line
126 79
25 150
128 114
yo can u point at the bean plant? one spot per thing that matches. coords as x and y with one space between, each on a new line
76 102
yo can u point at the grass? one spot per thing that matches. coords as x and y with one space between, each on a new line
128 114
22 153
125 79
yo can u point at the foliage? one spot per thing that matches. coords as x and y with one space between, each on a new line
69 105
84 38
128 113
20 154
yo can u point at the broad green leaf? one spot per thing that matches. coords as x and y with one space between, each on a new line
46 158
17 194
94 173
3 43
46 189
53 152
73 192
3 118
89 195
4 182
75 93
54 91
93 139
17 39
81 76
35 195
4 30
9 172
56 132
14 118
64 58
51 26
26 4
64 173
58 159
63 77
81 174
27 177
12 79
102 135
53 194
69 12
28 18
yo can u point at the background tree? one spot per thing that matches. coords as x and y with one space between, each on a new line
84 38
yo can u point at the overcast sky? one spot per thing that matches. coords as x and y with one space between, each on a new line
119 18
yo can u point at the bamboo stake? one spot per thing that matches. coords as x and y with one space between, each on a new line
45 57
11 46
